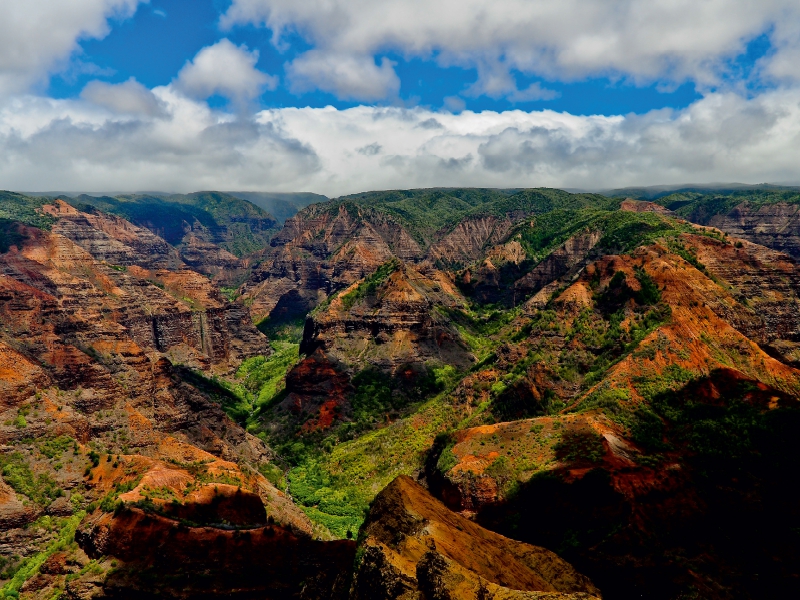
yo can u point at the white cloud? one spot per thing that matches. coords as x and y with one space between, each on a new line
39 36
227 70
569 39
70 145
129 97
533 92
63 144
348 77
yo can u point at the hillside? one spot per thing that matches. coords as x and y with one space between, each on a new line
767 215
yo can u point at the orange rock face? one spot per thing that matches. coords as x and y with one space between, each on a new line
414 544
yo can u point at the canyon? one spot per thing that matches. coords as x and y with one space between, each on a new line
448 393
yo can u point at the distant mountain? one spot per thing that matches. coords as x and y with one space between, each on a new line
657 191
282 205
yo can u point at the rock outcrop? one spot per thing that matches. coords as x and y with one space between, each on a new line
569 257
412 546
469 240
631 205
320 251
390 321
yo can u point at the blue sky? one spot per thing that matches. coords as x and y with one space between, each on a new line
162 36
339 96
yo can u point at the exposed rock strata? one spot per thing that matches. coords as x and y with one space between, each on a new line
402 322
776 226
320 251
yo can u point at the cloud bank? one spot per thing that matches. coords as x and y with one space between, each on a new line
70 144
124 136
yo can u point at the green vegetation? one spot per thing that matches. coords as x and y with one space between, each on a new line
701 206
230 293
262 379
258 383
55 447
370 285
677 415
424 213
377 394
17 473
30 566
10 235
334 481
24 209
285 330
580 446
622 231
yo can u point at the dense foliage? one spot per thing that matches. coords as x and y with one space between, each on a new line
24 209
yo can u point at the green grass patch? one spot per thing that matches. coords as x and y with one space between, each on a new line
24 209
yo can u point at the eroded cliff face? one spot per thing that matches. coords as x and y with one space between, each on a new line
571 256
97 264
191 512
319 252
214 233
775 226
629 461
637 414
766 283
401 320
469 241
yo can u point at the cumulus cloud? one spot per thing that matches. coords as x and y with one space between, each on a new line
39 36
227 70
70 144
348 77
676 40
129 97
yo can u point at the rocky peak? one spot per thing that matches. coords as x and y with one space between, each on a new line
411 543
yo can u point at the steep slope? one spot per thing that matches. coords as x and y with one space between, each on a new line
412 546
392 318
641 337
598 377
92 398
664 416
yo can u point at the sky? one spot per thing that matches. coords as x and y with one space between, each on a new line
342 96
